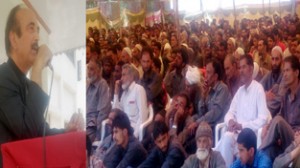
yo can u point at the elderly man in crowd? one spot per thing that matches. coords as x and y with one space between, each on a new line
133 100
205 156
97 100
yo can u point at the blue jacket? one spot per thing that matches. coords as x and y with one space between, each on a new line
261 160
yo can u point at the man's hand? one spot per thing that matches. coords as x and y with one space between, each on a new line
172 66
76 123
234 126
192 128
231 125
42 60
270 95
44 57
117 87
297 138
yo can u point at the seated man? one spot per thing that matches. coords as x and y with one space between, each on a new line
152 81
216 97
272 81
290 155
133 100
249 156
178 113
280 132
205 156
248 109
128 151
175 77
232 74
97 100
168 151
107 144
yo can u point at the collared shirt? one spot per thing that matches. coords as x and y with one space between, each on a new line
174 82
248 107
290 109
97 101
134 103
261 160
214 107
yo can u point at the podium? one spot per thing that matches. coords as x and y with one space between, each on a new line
62 151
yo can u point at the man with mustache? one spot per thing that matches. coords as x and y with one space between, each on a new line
168 151
248 109
22 100
205 156
97 100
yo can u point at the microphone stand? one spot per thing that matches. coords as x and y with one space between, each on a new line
45 123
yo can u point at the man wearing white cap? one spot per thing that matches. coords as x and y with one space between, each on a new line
205 156
193 85
272 80
231 46
126 55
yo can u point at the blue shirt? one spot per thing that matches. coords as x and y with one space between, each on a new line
261 160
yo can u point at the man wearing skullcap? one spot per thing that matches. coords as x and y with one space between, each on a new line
204 157
272 81
126 55
231 46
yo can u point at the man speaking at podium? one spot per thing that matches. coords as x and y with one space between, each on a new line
22 100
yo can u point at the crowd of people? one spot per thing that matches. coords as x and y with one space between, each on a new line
192 78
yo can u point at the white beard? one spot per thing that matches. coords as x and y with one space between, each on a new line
202 153
125 86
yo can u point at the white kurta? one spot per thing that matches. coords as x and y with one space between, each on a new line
134 103
248 108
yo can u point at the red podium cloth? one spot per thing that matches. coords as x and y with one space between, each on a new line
62 151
